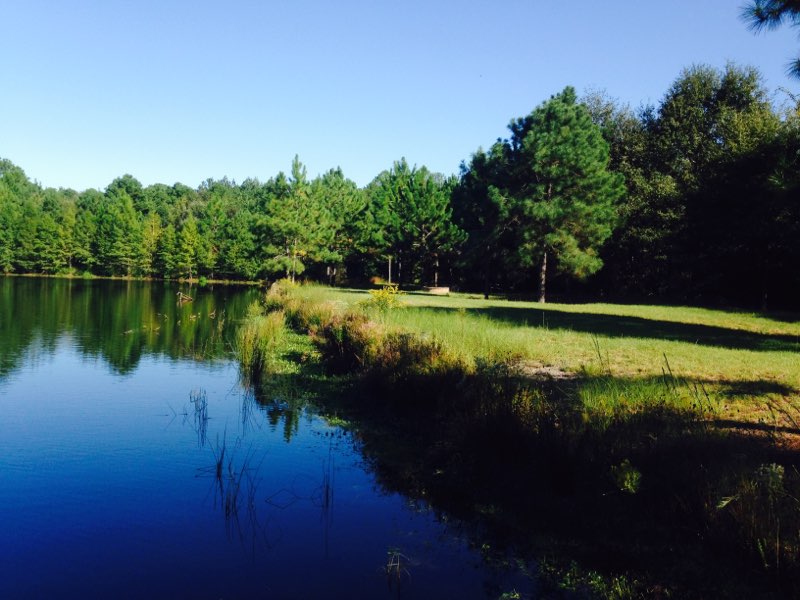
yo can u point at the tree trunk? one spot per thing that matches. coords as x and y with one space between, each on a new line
390 270
543 278
486 278
436 273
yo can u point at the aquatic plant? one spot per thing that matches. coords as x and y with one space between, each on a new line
199 400
627 477
235 478
258 342
396 566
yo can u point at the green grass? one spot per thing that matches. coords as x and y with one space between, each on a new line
616 430
739 356
265 347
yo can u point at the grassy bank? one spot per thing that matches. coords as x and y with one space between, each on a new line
744 354
670 470
749 362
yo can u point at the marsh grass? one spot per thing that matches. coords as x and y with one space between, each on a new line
396 567
199 400
259 341
575 581
235 480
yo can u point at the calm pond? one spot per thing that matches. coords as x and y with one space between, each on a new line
133 463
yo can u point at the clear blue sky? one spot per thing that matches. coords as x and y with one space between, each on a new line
174 90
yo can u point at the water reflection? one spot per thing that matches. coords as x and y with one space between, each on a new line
142 472
285 399
235 477
118 321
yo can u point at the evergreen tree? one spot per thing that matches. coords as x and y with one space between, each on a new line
413 216
485 214
293 226
49 248
769 14
343 206
125 235
552 189
567 202
151 232
187 248
86 251
166 263
13 184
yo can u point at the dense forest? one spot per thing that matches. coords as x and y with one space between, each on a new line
695 199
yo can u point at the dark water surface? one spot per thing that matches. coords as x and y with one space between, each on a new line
134 464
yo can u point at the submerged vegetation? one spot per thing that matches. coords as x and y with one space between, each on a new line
631 479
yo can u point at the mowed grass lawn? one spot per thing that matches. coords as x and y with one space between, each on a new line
739 356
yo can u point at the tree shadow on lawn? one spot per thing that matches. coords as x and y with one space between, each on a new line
636 327
784 316
751 387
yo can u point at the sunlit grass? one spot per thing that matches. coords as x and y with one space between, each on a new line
740 355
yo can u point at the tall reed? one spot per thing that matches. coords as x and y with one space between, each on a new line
258 343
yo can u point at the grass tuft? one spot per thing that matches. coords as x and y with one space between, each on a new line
259 342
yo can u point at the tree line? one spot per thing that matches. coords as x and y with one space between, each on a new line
695 199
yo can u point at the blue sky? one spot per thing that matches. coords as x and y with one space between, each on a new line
175 90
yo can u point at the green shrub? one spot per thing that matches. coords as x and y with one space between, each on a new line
384 299
627 477
347 343
763 512
254 309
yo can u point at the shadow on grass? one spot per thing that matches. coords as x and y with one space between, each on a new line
751 388
786 317
750 426
635 327
654 488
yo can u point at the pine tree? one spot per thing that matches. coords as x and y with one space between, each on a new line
568 199
413 220
151 232
293 226
769 14
548 188
187 247
166 262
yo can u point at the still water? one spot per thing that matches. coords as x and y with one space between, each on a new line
133 463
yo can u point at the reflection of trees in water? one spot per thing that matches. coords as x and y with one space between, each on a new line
119 321
397 464
285 399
